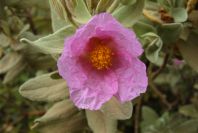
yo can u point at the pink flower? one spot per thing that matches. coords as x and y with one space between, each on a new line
100 61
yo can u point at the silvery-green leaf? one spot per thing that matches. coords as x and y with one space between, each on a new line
53 43
41 62
81 13
59 8
58 15
149 116
153 45
189 126
113 6
5 41
14 71
89 4
62 110
24 29
44 88
116 110
5 27
100 123
129 14
189 50
72 124
141 28
128 2
179 14
103 5
170 32
189 110
9 61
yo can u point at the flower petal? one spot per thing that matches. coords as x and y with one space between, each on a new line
89 89
132 79
109 26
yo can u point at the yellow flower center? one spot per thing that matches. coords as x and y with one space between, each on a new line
101 57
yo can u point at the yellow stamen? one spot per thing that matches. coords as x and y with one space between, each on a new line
101 57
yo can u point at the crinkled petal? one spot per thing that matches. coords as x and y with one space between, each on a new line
87 98
125 37
132 79
88 88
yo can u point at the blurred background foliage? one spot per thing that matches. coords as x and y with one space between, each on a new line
168 30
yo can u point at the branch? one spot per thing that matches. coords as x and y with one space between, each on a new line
137 114
161 68
161 96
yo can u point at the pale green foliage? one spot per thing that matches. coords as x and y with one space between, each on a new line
189 110
53 43
189 50
100 123
129 14
115 110
44 88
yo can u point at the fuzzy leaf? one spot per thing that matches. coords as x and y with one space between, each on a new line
62 110
115 110
9 61
81 13
44 88
189 50
53 43
100 123
5 41
189 110
14 71
58 15
153 44
73 124
170 32
141 28
103 5
129 14
149 116
189 126
179 14
128 2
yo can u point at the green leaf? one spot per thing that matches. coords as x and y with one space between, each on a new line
179 14
14 71
100 123
153 45
189 50
103 5
189 126
149 117
55 75
5 41
58 15
62 110
129 14
189 110
115 110
9 61
128 2
170 32
81 13
44 88
74 125
53 43
141 28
